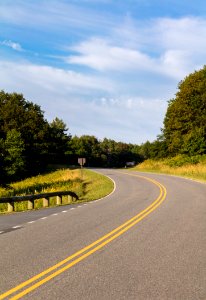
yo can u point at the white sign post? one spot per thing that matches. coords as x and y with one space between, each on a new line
81 162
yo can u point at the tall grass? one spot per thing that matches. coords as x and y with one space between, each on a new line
87 185
191 167
60 180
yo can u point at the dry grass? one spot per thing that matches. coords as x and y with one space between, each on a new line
167 166
87 185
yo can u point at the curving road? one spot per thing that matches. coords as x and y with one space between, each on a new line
146 240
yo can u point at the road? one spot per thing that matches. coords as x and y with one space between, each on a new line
145 241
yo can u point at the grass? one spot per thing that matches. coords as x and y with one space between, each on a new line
96 186
87 185
190 167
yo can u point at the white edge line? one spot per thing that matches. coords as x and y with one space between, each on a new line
18 226
1 232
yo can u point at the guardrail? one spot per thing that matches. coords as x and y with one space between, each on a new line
30 199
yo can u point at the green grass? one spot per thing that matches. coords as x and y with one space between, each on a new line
96 186
190 167
87 185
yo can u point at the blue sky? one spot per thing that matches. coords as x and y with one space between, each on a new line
106 67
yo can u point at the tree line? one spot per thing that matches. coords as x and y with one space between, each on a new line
29 143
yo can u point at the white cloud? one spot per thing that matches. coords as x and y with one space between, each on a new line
21 75
134 119
168 47
60 16
184 33
13 45
71 96
134 66
102 55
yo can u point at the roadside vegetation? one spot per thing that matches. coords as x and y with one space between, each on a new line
191 167
86 184
29 144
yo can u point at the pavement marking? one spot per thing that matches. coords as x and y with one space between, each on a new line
79 206
72 208
1 232
54 214
17 226
63 211
88 250
30 222
43 218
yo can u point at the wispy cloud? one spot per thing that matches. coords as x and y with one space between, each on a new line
50 79
60 16
101 55
12 45
102 66
68 95
166 46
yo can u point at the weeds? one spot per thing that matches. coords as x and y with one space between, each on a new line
88 187
191 167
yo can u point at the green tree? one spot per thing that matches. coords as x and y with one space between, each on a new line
185 121
85 146
28 119
58 141
2 162
14 159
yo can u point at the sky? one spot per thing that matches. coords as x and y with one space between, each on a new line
105 67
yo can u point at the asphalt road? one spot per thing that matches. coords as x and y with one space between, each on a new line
137 243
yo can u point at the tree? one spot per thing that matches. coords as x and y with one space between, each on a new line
28 119
14 159
2 162
185 121
85 146
58 141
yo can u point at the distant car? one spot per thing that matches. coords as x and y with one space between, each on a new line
130 164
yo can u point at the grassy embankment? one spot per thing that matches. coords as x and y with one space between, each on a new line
190 167
88 187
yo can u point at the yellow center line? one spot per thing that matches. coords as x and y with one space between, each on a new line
108 238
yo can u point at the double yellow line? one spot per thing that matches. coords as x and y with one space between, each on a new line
31 284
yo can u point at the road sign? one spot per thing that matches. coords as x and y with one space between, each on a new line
81 161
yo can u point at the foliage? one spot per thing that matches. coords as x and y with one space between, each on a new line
27 141
26 118
85 146
185 121
14 148
58 141
106 153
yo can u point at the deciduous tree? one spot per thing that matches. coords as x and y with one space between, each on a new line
185 121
